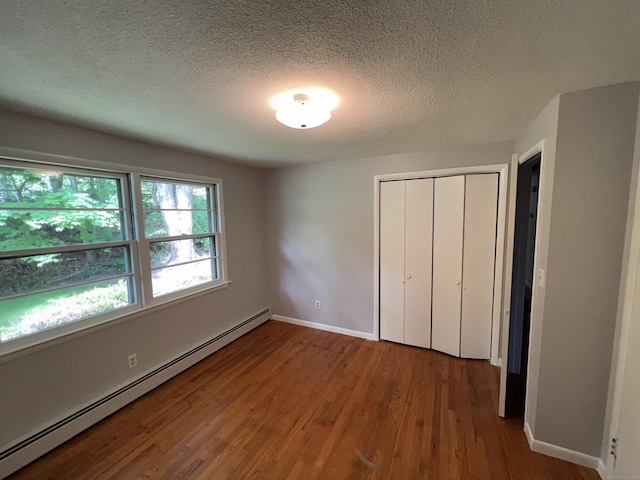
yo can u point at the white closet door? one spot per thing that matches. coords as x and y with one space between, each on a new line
392 200
418 254
448 219
481 209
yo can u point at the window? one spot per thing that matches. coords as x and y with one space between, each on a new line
74 252
181 231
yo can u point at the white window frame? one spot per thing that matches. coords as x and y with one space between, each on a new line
128 241
131 190
145 251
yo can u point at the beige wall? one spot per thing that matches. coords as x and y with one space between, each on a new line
39 388
321 231
591 182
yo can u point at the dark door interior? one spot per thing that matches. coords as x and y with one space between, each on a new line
522 284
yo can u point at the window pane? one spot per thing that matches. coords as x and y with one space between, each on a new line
172 223
23 230
40 208
50 188
174 278
42 272
34 313
174 209
175 252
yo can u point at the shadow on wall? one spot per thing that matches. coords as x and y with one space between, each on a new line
303 270
323 247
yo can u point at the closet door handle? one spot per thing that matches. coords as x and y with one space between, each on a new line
458 283
408 277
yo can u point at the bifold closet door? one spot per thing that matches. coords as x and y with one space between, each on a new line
392 198
448 225
481 209
406 223
437 262
418 255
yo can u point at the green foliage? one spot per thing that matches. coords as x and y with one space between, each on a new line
56 271
155 223
201 219
72 306
160 252
37 211
40 209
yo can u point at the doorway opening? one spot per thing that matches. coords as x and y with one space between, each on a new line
526 217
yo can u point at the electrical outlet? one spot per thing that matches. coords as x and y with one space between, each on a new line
133 360
317 304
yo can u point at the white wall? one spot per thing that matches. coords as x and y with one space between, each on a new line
49 384
574 335
321 231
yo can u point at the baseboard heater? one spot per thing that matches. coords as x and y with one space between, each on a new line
36 445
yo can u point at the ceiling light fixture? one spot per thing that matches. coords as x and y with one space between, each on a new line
304 113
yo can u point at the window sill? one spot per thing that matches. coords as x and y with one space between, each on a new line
29 349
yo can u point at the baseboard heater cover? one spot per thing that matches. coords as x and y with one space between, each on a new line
36 445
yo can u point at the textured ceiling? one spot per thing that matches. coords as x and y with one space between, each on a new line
411 75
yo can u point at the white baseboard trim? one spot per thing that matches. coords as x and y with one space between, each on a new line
529 435
27 449
326 328
561 452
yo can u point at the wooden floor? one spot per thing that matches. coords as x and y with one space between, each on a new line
288 402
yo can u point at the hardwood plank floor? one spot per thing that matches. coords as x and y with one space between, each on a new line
288 402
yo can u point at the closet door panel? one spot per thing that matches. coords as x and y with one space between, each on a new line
418 255
481 208
392 200
448 222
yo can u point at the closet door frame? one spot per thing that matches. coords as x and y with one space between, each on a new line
503 184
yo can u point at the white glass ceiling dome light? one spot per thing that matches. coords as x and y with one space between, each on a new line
303 113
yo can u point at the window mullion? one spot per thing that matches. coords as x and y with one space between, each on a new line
143 283
128 219
220 233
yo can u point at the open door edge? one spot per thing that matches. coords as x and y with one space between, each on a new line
506 285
